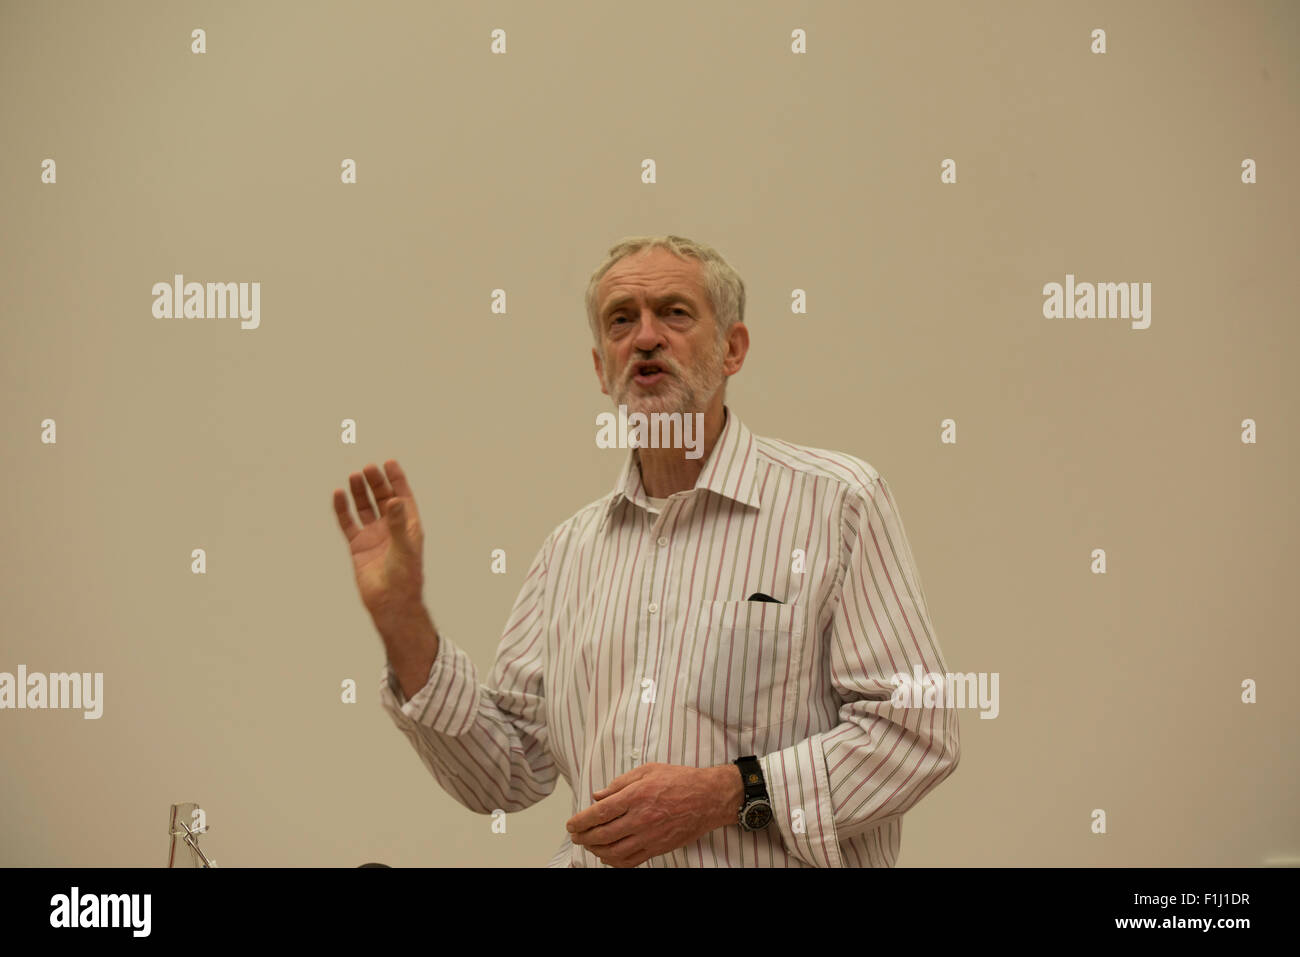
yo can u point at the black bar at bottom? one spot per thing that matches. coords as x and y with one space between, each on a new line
925 907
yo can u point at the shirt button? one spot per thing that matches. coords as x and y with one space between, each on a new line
662 540
652 608
635 754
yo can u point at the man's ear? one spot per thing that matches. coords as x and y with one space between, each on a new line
737 347
600 375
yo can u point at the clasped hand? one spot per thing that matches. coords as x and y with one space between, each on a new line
653 809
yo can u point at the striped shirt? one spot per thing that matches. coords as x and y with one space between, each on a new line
633 640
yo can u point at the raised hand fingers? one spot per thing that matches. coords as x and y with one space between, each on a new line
350 528
398 478
365 511
379 485
371 479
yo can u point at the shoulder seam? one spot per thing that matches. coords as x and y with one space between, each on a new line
770 451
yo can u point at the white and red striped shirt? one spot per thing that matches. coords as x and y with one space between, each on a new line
633 640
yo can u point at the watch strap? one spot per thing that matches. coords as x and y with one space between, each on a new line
751 777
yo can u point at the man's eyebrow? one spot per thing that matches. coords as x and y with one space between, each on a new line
674 296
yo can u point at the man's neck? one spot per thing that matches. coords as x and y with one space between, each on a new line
665 471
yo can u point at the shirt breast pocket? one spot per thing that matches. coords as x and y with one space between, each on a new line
744 663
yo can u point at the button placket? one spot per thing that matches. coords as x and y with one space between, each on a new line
650 627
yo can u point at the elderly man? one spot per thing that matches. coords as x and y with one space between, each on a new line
707 654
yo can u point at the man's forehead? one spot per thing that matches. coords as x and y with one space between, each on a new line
673 277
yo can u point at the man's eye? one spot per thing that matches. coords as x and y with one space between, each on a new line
616 317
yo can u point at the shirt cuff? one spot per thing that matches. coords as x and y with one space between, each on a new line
800 791
448 701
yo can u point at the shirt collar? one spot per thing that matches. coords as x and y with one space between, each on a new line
731 469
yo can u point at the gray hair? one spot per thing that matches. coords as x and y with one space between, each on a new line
725 287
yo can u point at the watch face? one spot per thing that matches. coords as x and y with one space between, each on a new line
758 815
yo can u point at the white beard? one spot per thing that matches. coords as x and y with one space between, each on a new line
684 390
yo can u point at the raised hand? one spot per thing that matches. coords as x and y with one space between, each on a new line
388 544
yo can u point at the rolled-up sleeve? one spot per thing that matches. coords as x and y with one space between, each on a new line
486 743
882 758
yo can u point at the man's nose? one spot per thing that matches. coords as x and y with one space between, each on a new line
649 333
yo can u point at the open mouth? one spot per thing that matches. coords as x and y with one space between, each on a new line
648 373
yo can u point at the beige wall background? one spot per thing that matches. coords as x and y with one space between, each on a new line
478 171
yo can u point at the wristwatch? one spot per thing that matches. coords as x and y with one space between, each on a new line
756 810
